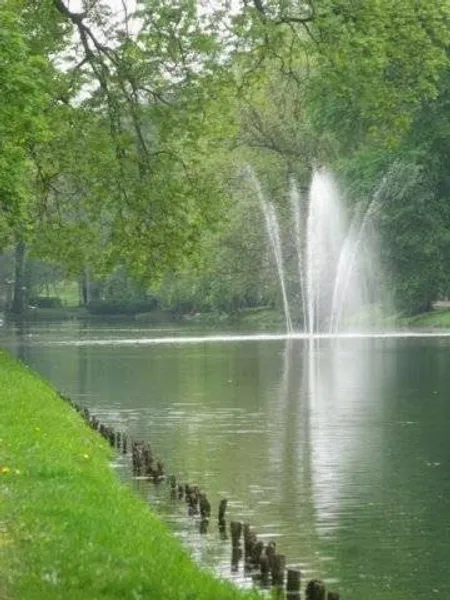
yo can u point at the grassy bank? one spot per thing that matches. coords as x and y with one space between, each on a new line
438 317
68 528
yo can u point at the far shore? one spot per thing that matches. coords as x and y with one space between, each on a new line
254 319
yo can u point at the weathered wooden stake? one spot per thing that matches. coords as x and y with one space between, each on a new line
250 540
278 566
180 491
236 555
246 532
205 506
257 552
270 553
293 584
173 487
136 454
235 530
315 590
223 530
222 510
158 473
187 492
264 567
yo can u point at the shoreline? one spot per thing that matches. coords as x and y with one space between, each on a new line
257 319
69 528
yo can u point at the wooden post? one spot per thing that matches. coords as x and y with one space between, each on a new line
246 532
173 487
192 498
278 566
147 459
293 584
250 542
158 473
111 436
270 553
187 492
222 510
205 506
236 555
235 530
223 530
264 567
315 590
180 491
257 552
136 458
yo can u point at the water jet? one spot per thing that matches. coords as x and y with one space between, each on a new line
335 276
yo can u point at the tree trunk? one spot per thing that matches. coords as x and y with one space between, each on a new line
19 302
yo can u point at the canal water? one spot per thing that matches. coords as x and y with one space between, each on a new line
337 449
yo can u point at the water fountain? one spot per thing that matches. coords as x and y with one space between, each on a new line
335 264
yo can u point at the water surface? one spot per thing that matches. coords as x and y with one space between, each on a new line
338 449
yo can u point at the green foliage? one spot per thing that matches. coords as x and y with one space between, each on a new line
412 234
376 63
123 141
22 103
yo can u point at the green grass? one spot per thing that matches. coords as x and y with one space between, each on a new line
438 317
68 528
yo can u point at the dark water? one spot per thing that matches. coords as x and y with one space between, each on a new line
338 450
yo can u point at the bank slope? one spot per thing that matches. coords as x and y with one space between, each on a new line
68 528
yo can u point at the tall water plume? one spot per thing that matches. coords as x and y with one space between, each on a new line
296 201
334 262
273 231
325 236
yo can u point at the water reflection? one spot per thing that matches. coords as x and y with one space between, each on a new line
344 403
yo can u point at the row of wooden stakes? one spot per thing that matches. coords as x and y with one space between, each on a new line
261 561
142 458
